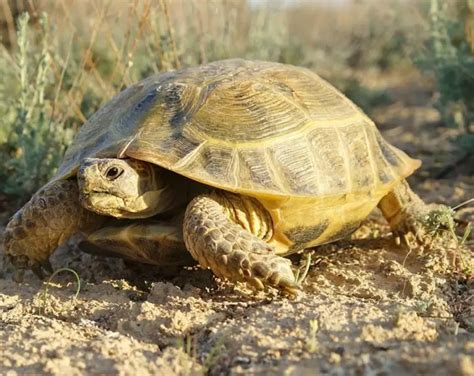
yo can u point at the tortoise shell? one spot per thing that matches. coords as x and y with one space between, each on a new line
264 129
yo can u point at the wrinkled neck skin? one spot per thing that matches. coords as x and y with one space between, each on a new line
172 198
178 192
184 190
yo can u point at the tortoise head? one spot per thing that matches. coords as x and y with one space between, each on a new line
124 188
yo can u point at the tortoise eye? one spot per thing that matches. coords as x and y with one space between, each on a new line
113 173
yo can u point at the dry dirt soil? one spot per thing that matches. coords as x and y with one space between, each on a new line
369 307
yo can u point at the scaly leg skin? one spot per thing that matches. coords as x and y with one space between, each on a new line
217 239
403 209
51 216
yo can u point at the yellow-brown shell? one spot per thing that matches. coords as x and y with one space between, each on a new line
259 128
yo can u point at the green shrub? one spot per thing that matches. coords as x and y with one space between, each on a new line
33 141
449 56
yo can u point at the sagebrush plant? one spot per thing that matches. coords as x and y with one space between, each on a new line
34 140
441 222
449 55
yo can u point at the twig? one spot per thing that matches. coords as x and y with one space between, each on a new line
164 6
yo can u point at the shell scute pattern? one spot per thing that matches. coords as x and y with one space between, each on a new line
321 100
184 101
217 160
295 166
303 235
243 112
254 166
360 166
387 151
251 127
329 158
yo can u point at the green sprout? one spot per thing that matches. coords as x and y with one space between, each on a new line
302 271
312 342
47 284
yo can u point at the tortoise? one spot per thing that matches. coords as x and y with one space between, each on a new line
236 163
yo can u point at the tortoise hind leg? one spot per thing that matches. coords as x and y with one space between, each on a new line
403 210
148 242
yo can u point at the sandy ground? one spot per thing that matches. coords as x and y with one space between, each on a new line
369 307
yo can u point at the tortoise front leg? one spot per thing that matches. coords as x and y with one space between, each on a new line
51 216
215 236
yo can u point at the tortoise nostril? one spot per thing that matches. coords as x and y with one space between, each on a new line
80 176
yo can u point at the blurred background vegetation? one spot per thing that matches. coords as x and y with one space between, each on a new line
60 60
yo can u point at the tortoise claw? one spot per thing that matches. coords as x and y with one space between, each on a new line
413 226
47 267
42 269
22 263
38 270
18 276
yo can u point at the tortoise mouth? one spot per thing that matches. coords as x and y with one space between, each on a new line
99 201
107 204
88 196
